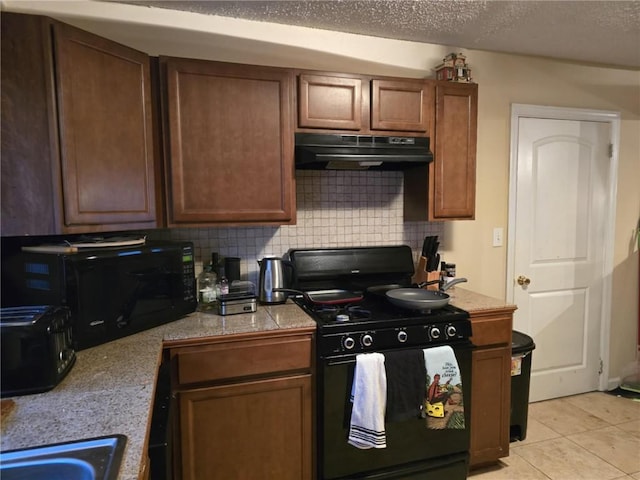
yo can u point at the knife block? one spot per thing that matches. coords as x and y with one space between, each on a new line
433 276
421 274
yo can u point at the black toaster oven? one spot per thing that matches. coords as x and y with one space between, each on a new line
37 350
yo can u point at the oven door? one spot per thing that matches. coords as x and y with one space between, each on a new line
413 450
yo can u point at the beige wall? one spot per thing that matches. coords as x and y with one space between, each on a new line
503 80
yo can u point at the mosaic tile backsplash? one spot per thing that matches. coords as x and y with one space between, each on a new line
334 209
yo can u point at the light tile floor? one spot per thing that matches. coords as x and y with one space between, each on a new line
593 436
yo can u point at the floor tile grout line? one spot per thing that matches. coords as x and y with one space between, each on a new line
594 454
533 466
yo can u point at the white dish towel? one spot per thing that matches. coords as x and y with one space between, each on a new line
369 397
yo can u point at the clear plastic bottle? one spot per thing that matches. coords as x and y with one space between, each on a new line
224 286
207 289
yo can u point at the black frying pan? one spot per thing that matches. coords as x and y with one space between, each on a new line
325 297
383 289
417 298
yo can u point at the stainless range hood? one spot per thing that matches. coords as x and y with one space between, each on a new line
360 152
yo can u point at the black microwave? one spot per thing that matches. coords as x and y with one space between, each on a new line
111 292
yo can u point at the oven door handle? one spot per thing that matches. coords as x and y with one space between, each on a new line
330 362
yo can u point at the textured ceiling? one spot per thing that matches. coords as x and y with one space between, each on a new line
606 32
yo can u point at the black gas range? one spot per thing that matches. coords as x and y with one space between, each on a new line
368 323
371 322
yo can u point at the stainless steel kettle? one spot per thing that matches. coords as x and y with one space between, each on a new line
273 276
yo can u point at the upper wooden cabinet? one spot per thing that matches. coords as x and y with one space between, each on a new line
228 143
454 169
401 105
363 104
451 176
332 102
77 140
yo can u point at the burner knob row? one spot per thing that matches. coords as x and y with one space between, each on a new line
450 331
348 342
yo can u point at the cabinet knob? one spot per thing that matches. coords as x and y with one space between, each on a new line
523 281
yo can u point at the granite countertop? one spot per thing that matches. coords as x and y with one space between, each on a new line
110 388
476 302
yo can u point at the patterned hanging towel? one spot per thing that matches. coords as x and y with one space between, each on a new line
444 404
369 397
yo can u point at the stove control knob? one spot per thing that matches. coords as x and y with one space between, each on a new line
451 331
434 333
402 336
367 340
349 343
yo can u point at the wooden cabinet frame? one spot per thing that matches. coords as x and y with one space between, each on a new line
451 177
364 105
245 405
491 385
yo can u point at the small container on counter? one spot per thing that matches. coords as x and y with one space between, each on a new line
234 303
207 289
447 272
241 298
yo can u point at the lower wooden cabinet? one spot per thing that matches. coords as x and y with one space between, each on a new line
491 385
244 406
491 399
253 430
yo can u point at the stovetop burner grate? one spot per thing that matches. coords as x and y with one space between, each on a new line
330 313
374 311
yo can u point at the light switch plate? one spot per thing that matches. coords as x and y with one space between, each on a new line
497 236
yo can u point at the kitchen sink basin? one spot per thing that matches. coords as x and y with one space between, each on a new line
89 459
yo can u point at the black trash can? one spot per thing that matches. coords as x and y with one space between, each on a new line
521 347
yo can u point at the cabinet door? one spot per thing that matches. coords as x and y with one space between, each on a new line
254 430
329 102
105 124
491 400
230 143
77 151
30 198
454 167
401 105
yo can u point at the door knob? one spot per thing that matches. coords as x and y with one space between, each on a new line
522 280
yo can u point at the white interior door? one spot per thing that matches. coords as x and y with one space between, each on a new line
558 236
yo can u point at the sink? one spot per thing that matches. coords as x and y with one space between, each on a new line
89 459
